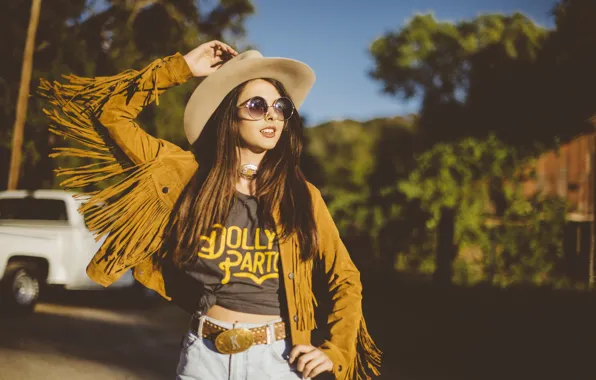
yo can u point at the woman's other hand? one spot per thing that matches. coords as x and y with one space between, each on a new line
311 360
206 58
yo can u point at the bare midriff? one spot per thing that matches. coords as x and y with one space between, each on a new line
228 315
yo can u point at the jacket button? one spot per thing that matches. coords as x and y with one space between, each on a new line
339 368
295 318
291 275
165 190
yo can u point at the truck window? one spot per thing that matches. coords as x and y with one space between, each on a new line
32 209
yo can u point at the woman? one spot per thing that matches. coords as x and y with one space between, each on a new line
232 231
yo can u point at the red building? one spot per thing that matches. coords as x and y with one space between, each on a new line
569 173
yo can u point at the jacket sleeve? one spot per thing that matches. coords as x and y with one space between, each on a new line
349 346
123 205
119 111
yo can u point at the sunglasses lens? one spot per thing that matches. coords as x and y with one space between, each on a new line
284 108
257 107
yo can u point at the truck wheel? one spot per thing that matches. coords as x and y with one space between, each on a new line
20 288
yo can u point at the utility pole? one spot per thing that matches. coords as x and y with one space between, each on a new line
593 222
19 124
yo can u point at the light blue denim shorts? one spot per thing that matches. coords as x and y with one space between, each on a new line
200 360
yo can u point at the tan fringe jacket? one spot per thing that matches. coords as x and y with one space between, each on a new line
100 113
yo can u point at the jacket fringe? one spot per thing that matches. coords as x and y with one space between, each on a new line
303 292
132 222
367 362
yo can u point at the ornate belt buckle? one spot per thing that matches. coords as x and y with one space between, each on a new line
234 341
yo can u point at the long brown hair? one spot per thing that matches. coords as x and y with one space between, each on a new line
207 198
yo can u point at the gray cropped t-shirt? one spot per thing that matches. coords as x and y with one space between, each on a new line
240 268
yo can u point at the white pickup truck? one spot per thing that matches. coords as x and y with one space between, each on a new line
44 241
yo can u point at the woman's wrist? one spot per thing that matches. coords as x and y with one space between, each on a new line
188 61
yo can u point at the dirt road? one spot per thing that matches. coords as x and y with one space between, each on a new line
92 335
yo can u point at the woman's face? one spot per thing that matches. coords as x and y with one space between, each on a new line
259 135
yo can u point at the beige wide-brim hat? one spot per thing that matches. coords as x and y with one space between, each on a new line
296 77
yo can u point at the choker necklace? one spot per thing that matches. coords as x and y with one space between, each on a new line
248 171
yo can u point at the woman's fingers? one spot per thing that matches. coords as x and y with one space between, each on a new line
314 363
319 369
298 350
206 58
228 48
221 54
310 360
305 359
323 367
214 44
219 47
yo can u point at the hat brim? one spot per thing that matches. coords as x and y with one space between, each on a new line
296 77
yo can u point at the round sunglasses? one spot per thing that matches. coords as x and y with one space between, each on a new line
283 108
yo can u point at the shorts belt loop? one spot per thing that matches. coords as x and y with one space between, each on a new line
200 329
270 333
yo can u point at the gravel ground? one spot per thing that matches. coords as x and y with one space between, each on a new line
92 335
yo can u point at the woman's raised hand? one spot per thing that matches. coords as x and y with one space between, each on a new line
206 58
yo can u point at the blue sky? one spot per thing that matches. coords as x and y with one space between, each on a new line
332 36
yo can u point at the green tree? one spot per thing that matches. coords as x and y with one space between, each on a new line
55 46
73 38
451 182
440 62
353 160
567 71
520 237
473 80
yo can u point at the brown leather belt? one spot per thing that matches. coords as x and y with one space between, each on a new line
231 341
